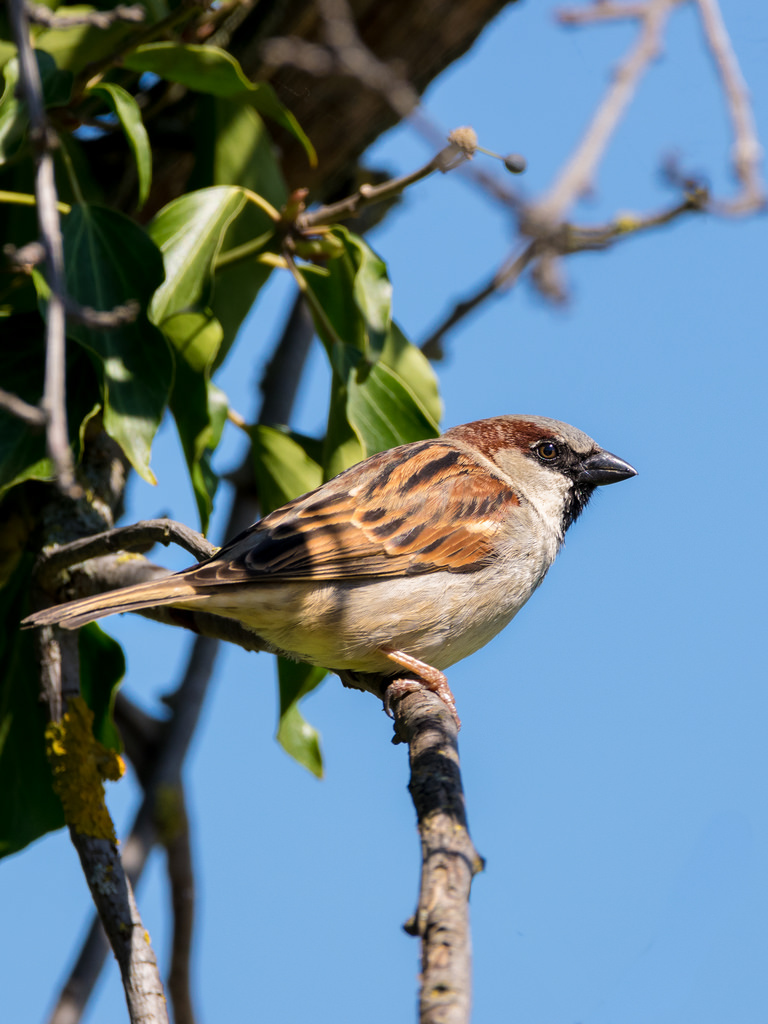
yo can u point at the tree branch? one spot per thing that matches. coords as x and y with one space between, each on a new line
88 821
44 140
449 858
747 152
462 145
139 536
38 14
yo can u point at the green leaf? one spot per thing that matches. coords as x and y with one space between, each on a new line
355 295
120 101
199 408
283 467
28 806
296 736
102 667
76 47
383 390
242 154
189 232
14 119
23 453
109 261
208 69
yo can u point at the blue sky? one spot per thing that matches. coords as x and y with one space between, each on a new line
613 745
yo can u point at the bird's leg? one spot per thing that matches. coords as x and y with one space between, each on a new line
431 678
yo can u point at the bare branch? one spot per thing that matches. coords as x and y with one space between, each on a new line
44 140
601 10
747 152
175 837
462 144
140 536
505 277
40 15
32 415
344 54
449 858
103 318
92 832
577 176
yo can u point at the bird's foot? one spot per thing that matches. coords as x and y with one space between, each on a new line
430 678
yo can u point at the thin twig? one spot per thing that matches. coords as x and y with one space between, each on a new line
747 152
449 858
577 176
32 415
344 53
601 10
178 848
137 537
44 140
40 15
462 144
103 318
505 277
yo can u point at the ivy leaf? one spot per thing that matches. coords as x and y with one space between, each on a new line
284 469
383 390
210 70
199 408
110 260
23 454
296 736
189 232
14 119
120 101
241 153
355 295
282 464
77 46
28 806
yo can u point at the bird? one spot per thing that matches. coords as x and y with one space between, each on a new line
403 564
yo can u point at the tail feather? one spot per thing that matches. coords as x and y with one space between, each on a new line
73 614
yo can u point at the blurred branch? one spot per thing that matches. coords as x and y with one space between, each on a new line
32 415
449 858
175 837
344 53
550 236
747 151
571 238
576 178
44 140
40 15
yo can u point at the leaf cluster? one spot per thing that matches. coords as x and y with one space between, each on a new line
191 261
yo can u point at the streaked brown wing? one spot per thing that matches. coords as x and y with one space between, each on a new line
342 529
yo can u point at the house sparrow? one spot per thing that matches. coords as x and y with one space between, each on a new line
410 560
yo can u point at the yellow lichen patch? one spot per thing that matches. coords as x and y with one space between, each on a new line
80 764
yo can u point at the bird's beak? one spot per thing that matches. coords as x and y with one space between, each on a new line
604 468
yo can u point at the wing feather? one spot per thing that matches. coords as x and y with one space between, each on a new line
449 510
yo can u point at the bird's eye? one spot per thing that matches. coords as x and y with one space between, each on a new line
546 450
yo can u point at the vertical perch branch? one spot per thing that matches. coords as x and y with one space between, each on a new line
43 140
449 858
